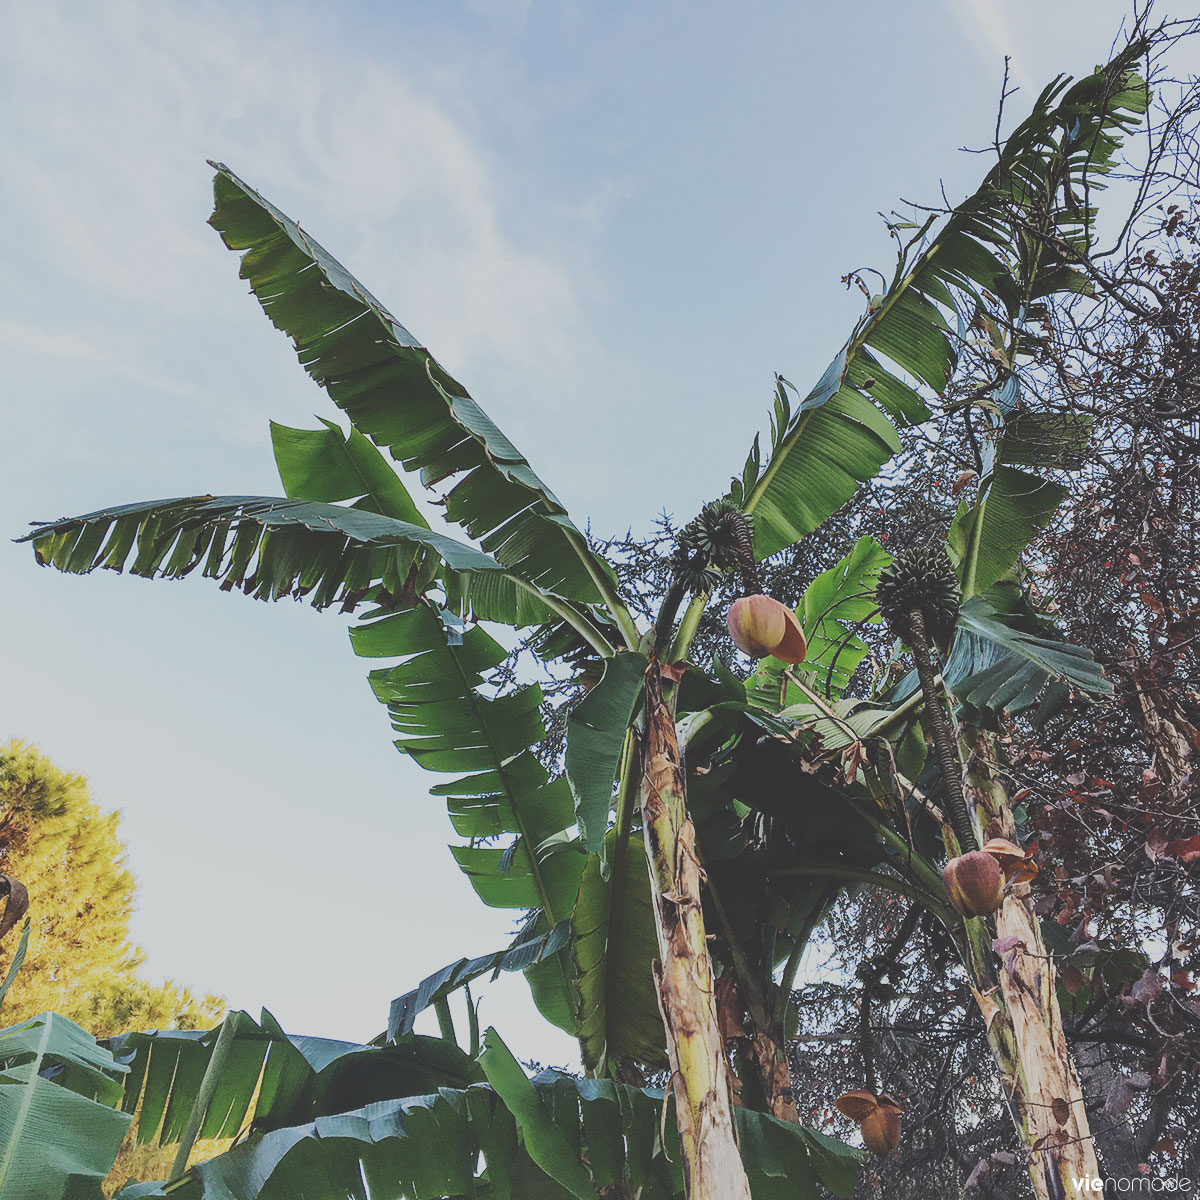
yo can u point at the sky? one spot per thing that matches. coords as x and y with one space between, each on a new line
613 222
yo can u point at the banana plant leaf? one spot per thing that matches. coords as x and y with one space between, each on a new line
562 1118
437 701
614 947
166 1068
552 1136
821 451
1013 504
987 538
328 466
396 393
834 604
525 953
846 721
449 723
996 665
417 1146
270 547
596 732
1006 659
60 1127
545 1140
835 438
272 1079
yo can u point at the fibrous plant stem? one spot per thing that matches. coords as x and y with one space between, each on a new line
699 1073
944 740
1019 1003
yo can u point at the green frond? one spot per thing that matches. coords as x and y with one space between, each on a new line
394 391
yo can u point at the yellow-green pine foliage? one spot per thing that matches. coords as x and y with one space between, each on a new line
80 962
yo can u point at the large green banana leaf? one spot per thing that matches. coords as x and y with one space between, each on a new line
450 723
437 702
836 438
596 733
1013 665
1003 657
515 1138
1013 503
60 1127
396 393
833 607
268 546
417 1146
821 451
327 465
270 1078
166 1069
987 537
545 1138
272 547
331 467
839 723
614 948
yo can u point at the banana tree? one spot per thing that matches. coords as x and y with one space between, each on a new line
863 791
631 973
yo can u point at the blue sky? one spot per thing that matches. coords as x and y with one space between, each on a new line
612 221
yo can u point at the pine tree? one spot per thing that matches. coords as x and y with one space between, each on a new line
80 962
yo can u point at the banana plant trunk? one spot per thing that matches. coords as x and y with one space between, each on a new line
1016 987
712 1162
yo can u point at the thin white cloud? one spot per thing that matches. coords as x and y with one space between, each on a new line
467 290
17 337
988 25
120 103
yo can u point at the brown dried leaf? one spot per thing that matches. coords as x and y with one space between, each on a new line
853 758
1072 979
1147 988
1187 849
729 1009
961 482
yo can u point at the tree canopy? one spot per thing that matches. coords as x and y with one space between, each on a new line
80 962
